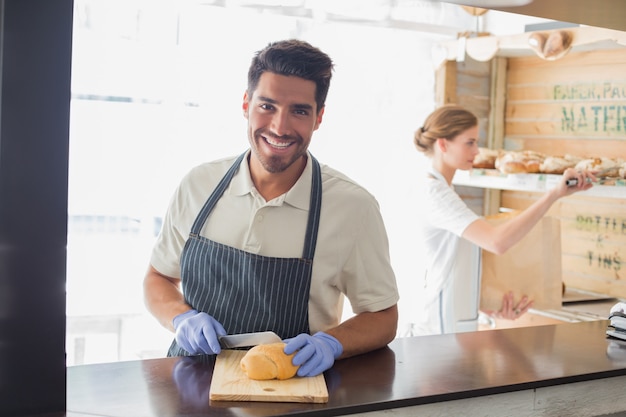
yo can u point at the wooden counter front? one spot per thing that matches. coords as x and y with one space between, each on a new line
409 373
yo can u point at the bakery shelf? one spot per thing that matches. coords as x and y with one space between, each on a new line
491 178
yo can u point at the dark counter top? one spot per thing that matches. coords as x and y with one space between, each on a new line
411 371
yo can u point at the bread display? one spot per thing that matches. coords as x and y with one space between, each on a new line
519 162
268 361
532 162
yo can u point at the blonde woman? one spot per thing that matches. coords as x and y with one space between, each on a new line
453 234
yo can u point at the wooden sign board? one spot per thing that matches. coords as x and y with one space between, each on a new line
594 245
575 105
532 267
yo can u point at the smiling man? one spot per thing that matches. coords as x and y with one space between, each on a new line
272 239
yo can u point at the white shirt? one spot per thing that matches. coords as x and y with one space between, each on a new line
448 255
352 251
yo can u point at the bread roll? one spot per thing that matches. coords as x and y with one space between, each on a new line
512 167
268 361
486 158
519 162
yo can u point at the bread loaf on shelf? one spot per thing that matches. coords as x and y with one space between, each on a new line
486 158
608 167
558 164
268 361
519 162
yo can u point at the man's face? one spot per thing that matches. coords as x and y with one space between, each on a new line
281 120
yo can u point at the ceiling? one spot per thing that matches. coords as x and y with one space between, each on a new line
609 14
409 14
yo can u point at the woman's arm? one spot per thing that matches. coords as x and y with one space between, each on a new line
498 239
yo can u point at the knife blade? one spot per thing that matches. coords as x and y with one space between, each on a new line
248 339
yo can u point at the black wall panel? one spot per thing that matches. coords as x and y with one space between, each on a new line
35 64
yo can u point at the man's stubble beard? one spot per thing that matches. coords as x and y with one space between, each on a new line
275 164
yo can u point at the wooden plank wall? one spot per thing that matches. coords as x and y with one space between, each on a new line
593 240
467 83
575 105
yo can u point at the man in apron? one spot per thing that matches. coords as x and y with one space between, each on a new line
273 240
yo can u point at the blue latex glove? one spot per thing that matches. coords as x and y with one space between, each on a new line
198 333
315 354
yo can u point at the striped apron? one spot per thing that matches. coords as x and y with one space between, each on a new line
244 291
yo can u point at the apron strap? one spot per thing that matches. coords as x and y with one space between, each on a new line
310 239
215 196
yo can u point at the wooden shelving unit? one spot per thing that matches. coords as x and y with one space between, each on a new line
492 179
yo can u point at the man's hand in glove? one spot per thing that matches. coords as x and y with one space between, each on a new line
198 333
315 354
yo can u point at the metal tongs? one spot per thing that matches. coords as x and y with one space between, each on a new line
617 326
574 181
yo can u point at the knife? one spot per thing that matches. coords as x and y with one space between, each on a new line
248 339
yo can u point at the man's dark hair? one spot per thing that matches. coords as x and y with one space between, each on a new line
293 58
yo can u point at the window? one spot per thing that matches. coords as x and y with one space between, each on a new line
157 89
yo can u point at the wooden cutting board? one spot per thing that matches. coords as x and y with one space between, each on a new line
230 383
